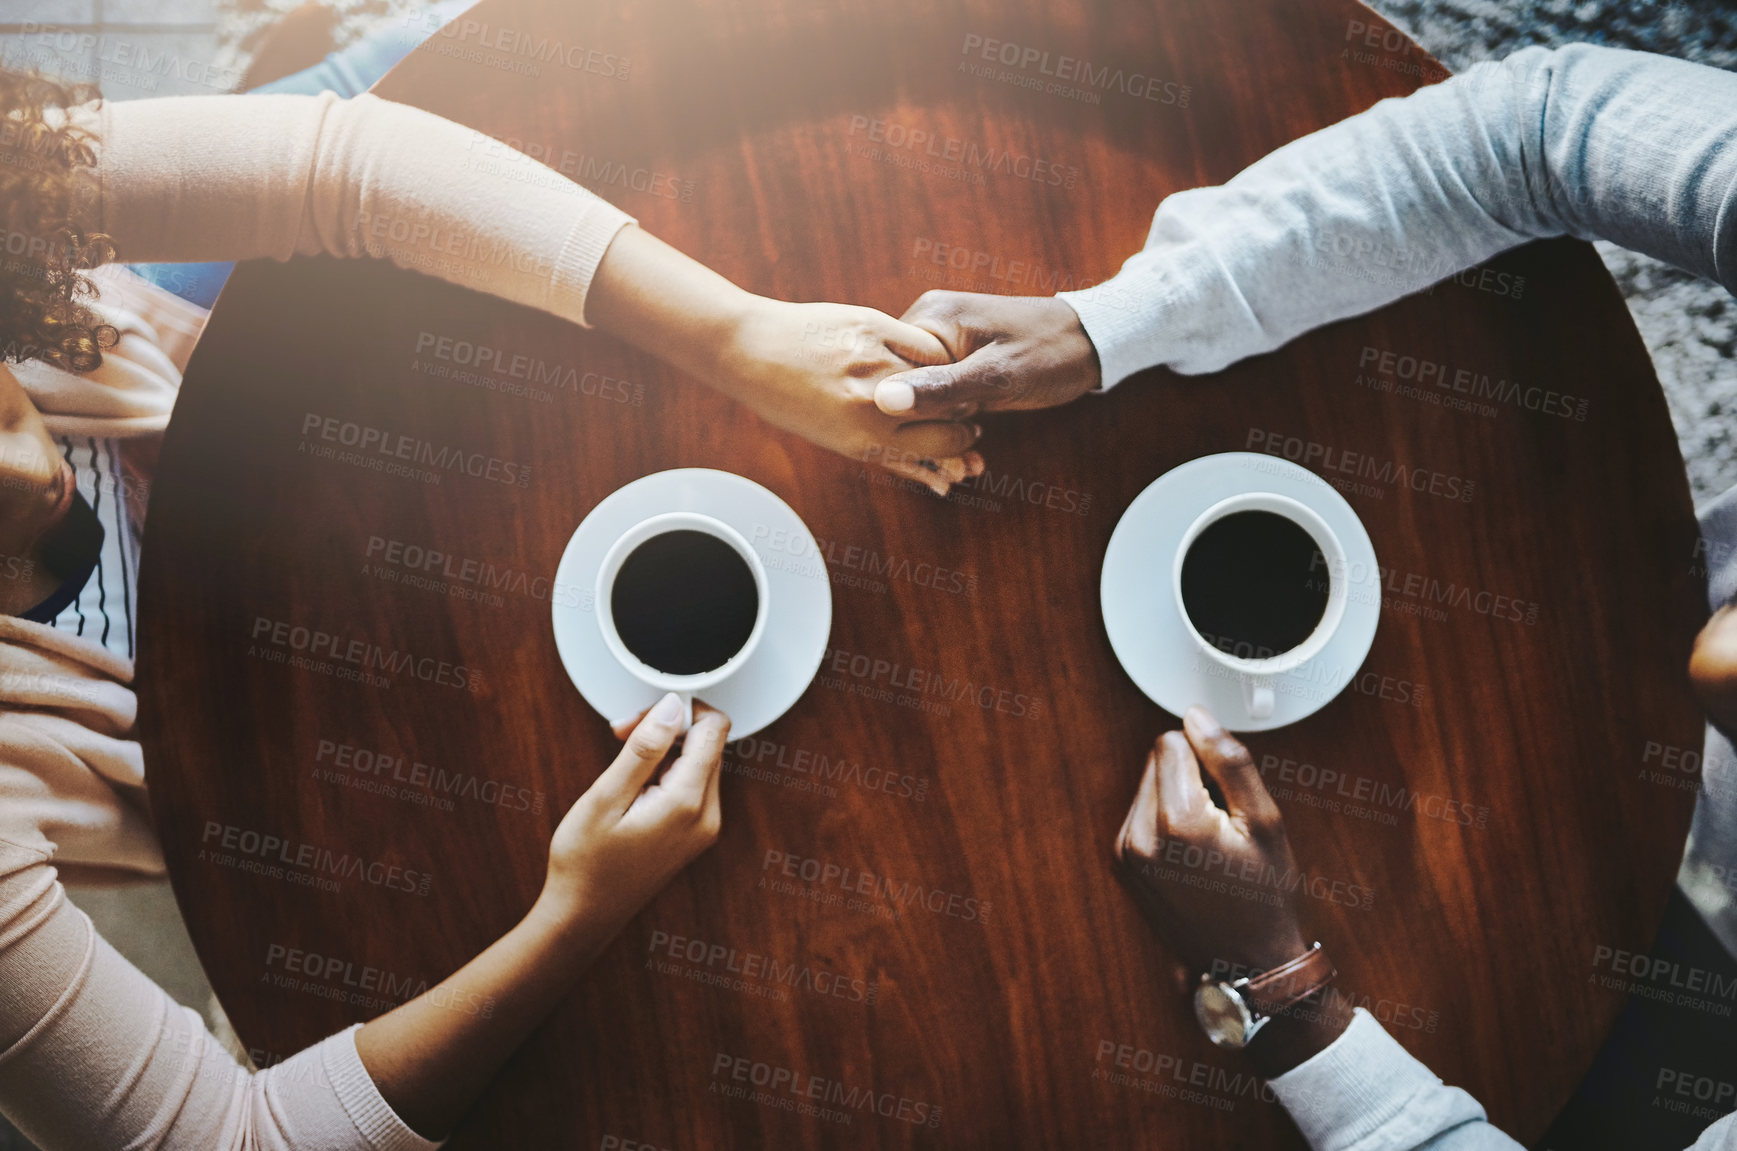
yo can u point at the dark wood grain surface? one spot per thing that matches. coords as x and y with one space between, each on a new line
335 843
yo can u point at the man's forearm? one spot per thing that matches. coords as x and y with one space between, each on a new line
1365 1091
1583 141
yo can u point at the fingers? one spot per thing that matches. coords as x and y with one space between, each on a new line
938 478
1713 667
714 806
936 439
690 777
649 742
1185 806
1138 838
915 344
1171 801
943 313
624 726
1228 761
937 475
947 391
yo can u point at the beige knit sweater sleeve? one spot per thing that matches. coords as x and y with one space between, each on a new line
108 1060
92 1053
233 178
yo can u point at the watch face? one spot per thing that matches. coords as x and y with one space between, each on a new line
1222 1014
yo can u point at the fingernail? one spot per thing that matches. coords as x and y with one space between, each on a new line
894 396
976 432
668 711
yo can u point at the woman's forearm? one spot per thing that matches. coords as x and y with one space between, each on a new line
667 304
367 177
287 175
433 1056
624 839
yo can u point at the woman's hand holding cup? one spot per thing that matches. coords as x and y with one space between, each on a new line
634 829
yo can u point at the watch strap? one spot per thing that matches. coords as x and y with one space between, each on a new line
1272 992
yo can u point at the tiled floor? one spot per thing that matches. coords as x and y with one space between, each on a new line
130 48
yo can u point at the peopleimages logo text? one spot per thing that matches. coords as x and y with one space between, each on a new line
903 894
1102 78
923 683
386 768
753 965
320 645
1473 384
371 442
854 1098
468 570
536 46
522 366
311 859
966 153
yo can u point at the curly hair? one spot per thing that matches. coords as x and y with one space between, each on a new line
45 162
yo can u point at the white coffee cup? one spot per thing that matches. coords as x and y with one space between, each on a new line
686 686
1258 673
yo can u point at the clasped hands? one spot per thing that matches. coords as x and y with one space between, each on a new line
901 394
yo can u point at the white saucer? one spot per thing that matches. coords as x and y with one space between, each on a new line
799 600
1146 628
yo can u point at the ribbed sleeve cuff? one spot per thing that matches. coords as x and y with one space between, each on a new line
1121 318
570 282
1364 1082
368 1110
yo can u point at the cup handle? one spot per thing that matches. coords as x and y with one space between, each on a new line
687 698
1257 696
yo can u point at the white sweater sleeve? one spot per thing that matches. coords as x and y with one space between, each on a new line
1365 1092
1581 141
232 178
95 1055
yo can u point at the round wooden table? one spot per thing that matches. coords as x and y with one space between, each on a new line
358 752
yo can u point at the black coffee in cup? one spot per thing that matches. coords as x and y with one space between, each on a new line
684 602
1254 584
